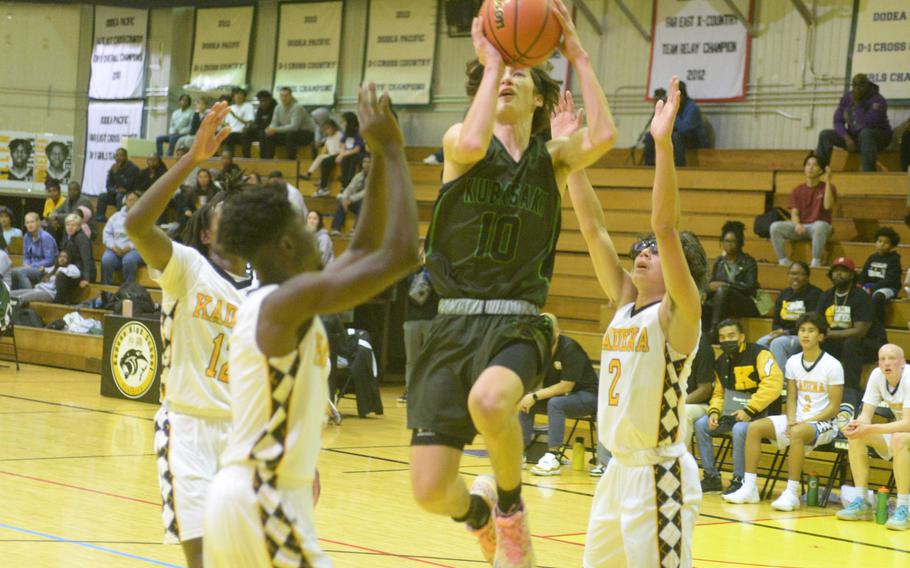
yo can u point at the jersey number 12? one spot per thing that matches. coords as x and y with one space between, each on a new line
212 369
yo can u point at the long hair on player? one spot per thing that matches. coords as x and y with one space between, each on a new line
544 85
696 257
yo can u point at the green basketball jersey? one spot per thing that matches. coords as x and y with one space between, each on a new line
494 229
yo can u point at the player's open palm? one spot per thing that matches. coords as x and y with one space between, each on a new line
571 44
665 113
208 137
565 120
485 51
377 123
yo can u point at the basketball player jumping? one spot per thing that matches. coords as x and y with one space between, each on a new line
202 290
490 252
645 505
259 510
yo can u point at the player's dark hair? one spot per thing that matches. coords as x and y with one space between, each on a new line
815 319
254 218
351 124
889 234
737 228
802 265
61 145
730 321
810 156
199 223
544 85
20 142
696 258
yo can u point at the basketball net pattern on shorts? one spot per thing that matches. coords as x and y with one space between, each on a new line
668 489
668 430
165 477
167 326
282 540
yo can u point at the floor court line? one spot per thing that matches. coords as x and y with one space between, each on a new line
384 553
78 457
79 488
731 521
91 546
77 407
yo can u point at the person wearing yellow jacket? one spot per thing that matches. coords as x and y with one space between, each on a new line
747 380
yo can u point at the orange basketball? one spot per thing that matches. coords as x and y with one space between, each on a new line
524 31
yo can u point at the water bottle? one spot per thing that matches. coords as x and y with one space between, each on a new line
881 506
812 495
127 308
578 454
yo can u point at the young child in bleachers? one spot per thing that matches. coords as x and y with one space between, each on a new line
331 147
881 276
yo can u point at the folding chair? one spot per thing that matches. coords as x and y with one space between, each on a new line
592 427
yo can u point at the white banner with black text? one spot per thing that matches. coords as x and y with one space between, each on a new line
119 52
222 48
881 45
108 124
309 44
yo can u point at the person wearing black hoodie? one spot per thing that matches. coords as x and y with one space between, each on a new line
881 276
733 282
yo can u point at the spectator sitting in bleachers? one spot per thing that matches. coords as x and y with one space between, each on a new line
815 386
889 383
120 252
569 390
291 126
350 156
855 333
688 131
811 204
154 169
240 119
75 202
54 197
330 146
6 265
181 120
201 108
253 178
748 381
121 179
881 275
56 285
79 247
791 303
733 283
294 196
699 386
228 167
315 225
261 120
860 124
351 197
39 253
321 115
6 224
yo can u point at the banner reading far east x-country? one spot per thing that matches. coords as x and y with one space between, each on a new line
222 47
118 56
401 45
881 46
108 124
309 41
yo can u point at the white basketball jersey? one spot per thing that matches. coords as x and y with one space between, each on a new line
897 398
642 388
198 311
287 432
812 382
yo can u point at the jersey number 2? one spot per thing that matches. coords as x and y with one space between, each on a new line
498 236
212 369
616 369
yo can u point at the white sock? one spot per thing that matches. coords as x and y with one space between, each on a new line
750 479
793 486
903 499
863 492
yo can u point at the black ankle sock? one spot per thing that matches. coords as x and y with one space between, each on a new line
510 500
478 513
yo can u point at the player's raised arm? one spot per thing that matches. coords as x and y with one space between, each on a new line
466 143
152 243
586 145
679 316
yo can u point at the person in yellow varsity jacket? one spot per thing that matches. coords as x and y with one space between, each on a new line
747 381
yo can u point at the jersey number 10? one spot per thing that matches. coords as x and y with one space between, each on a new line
498 236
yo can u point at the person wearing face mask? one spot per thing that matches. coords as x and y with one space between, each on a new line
791 303
747 382
855 332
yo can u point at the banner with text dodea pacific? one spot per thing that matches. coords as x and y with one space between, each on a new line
107 124
118 56
881 45
309 42
222 47
401 46
704 44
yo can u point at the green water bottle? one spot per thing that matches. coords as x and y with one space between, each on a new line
578 454
812 495
881 506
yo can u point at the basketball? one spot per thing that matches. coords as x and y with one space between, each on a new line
525 32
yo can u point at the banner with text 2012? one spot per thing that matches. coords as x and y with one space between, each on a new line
704 43
401 46
108 124
118 55
309 44
881 46
222 47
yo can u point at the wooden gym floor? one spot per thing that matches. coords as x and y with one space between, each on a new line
77 488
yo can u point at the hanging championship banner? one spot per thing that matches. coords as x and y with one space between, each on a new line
118 56
881 46
401 45
17 159
53 158
308 49
222 48
108 123
704 43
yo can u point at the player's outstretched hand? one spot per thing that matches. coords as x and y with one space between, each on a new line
571 44
377 123
665 114
208 137
486 53
565 120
